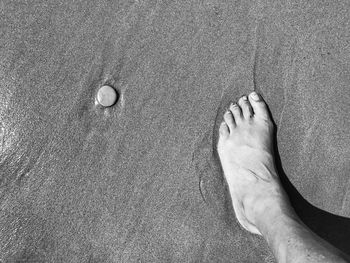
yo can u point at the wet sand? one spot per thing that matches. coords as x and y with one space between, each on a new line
140 181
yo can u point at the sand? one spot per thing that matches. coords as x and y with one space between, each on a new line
140 181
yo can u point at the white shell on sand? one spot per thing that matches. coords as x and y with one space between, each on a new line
106 96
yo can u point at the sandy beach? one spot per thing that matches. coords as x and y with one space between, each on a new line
141 181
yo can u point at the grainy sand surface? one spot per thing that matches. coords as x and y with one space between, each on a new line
140 181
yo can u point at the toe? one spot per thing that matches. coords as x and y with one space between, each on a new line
246 107
236 112
259 106
230 122
224 130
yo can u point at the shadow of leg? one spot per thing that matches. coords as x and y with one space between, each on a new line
332 228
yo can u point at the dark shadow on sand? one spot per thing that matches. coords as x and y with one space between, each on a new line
332 228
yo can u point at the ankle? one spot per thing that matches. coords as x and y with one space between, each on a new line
270 219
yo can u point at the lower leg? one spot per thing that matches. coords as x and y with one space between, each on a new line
292 241
260 203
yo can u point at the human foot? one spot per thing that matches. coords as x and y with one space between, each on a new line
245 148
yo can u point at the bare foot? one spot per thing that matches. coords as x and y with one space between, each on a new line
245 149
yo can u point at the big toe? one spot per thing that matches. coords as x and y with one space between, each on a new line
259 106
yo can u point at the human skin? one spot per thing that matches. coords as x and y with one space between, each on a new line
261 205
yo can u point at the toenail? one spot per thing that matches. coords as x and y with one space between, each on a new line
228 112
233 105
107 96
244 98
254 96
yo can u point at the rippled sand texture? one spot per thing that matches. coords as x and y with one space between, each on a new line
140 181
